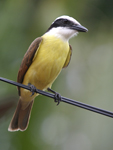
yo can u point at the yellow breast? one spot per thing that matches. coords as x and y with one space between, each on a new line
47 63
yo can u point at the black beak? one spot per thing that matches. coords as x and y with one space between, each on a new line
79 28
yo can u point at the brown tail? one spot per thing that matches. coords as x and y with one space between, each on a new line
21 117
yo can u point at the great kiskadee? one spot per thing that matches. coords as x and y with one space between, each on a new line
42 63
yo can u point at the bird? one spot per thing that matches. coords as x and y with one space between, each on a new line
42 63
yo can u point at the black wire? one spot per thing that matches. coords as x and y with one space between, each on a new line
63 99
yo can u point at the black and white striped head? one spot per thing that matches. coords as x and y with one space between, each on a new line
65 27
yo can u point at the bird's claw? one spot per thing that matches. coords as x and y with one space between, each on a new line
33 89
57 96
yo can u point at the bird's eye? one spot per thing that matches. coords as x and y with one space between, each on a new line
66 21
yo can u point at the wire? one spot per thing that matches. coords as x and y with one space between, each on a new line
63 99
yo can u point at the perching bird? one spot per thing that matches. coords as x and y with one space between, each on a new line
42 63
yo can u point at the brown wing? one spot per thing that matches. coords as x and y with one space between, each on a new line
68 57
27 60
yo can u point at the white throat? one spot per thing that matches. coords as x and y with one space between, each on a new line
63 33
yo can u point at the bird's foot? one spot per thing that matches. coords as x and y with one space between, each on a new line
33 89
57 97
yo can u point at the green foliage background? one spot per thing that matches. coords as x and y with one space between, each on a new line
89 77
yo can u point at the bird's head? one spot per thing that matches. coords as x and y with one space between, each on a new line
65 27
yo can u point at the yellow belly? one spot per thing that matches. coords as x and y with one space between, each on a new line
46 65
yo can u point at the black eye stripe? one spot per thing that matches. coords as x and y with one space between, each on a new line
61 23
